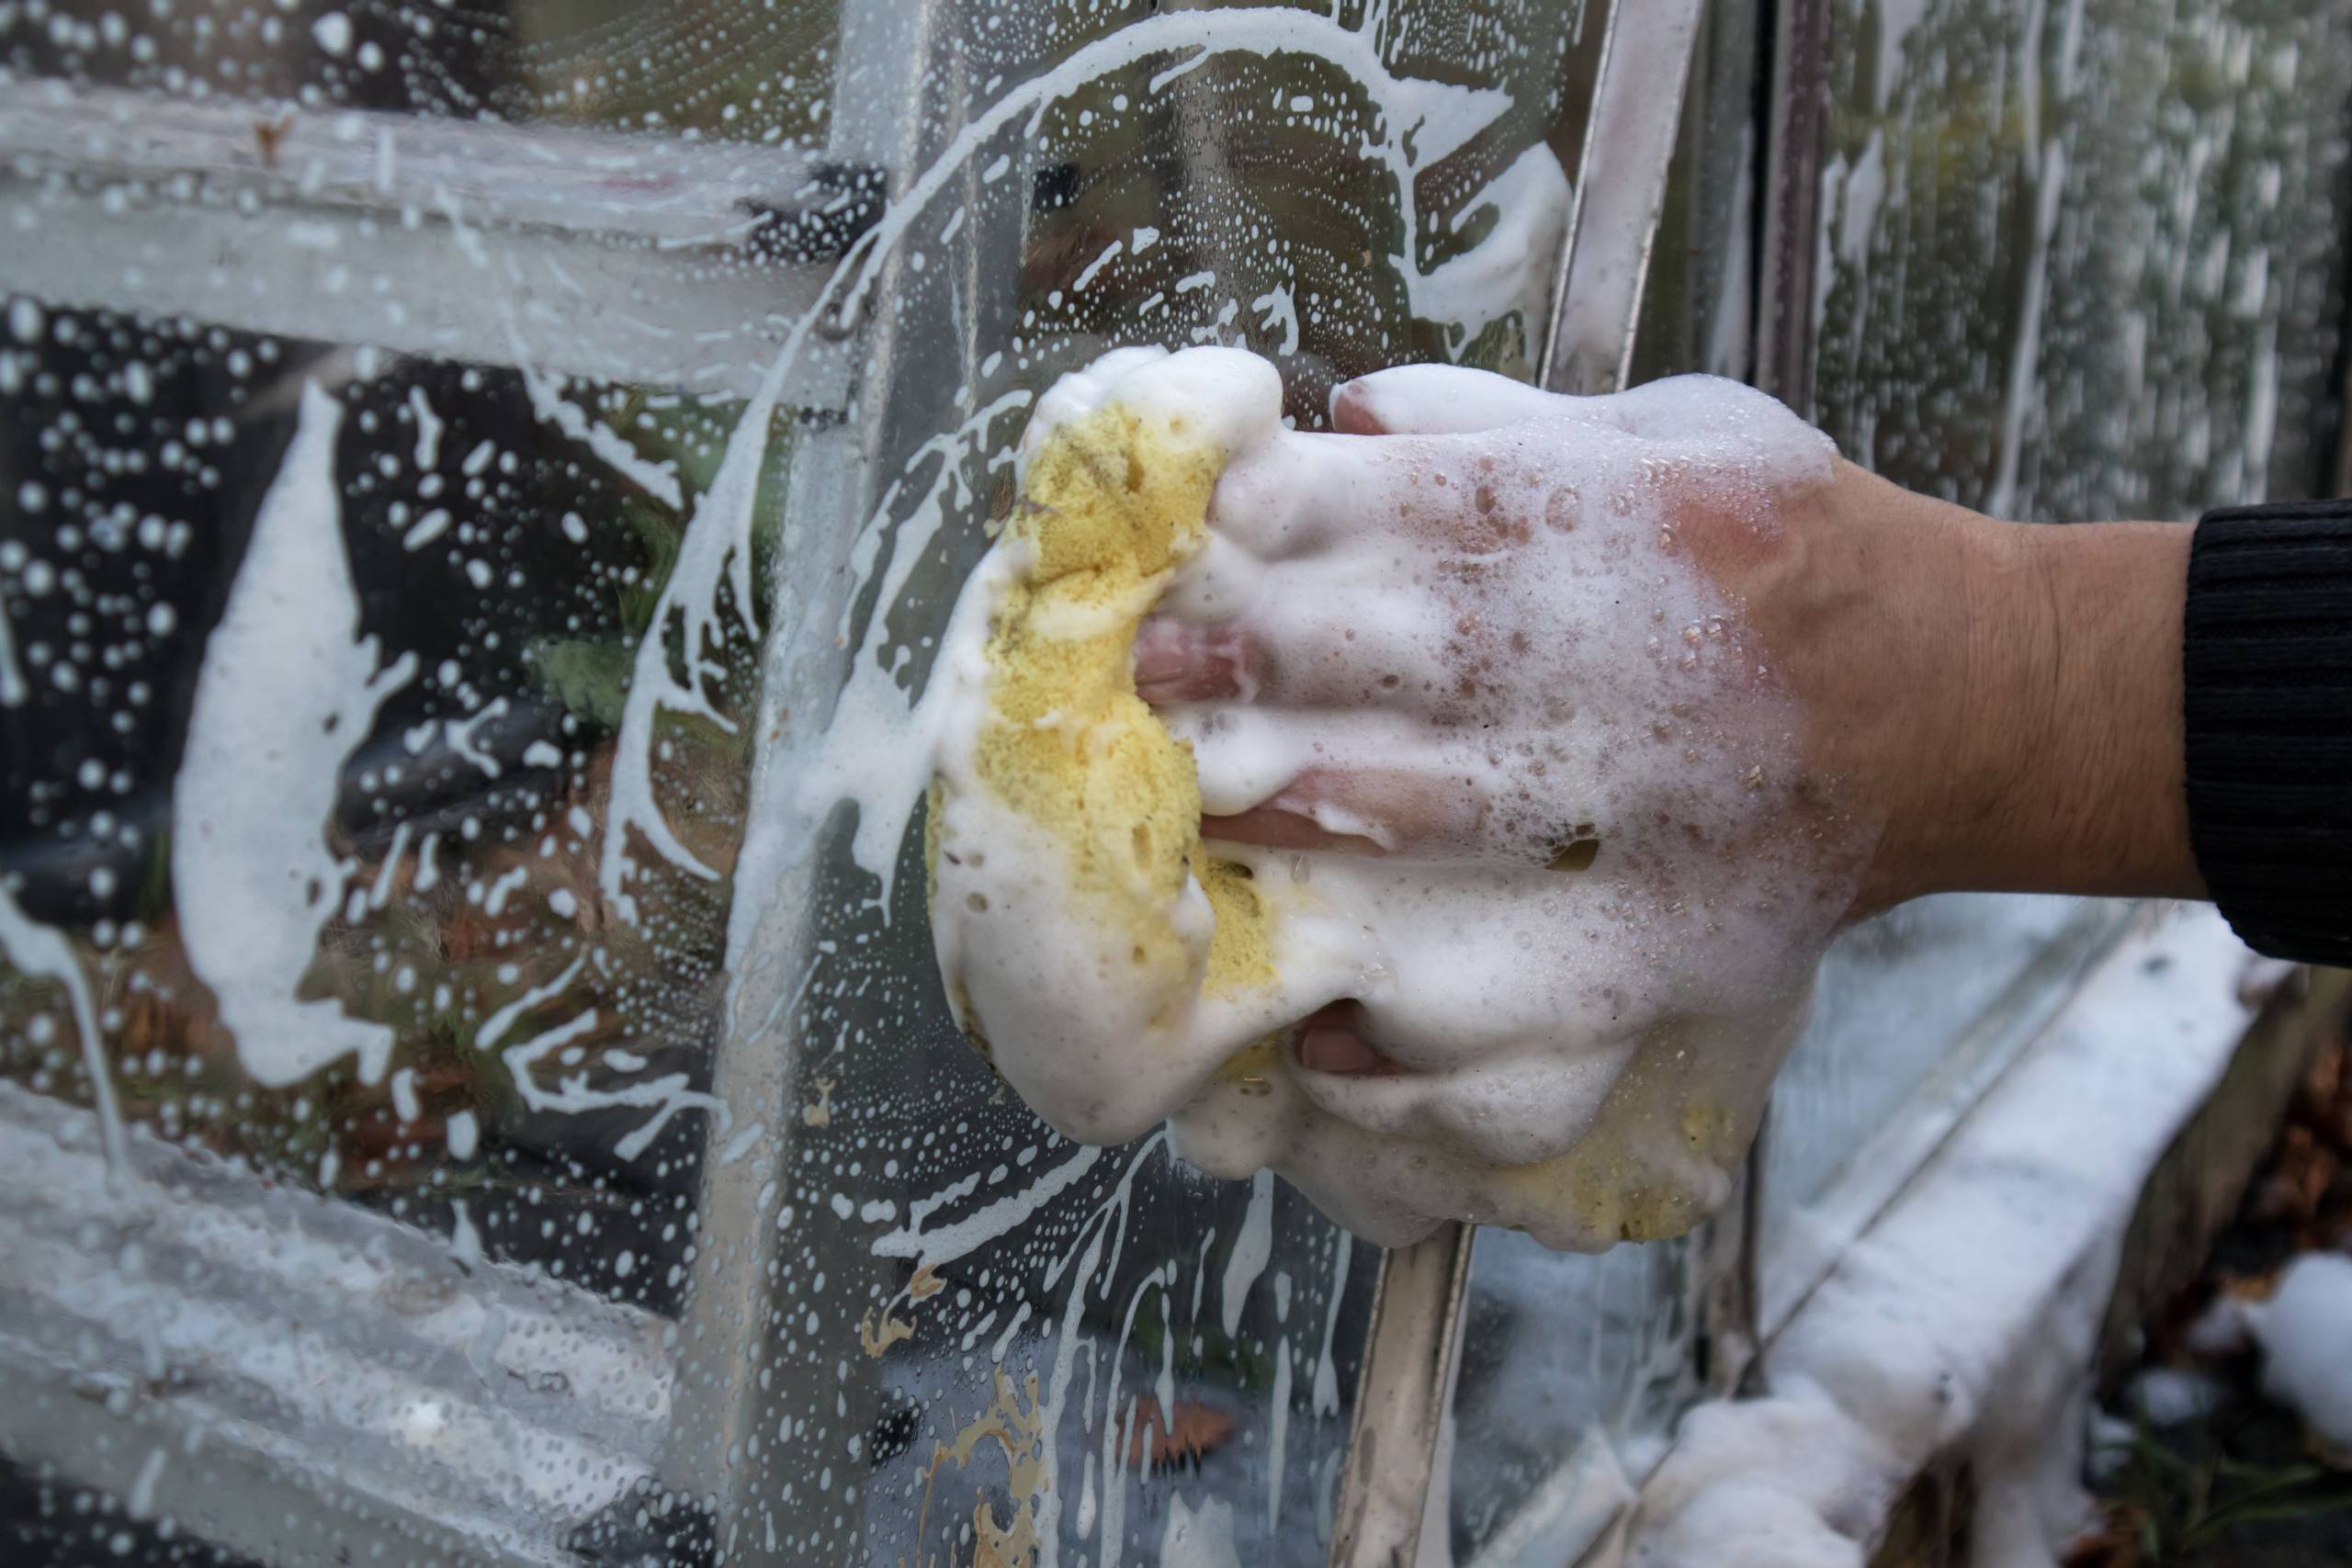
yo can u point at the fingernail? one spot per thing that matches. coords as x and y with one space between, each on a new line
1351 412
1177 661
1335 1051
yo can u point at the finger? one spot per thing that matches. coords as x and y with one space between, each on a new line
1179 661
1331 1039
1436 400
1280 828
1320 498
1246 756
1308 650
1336 1051
1294 497
1437 495
1409 815
1243 756
1388 811
1504 1108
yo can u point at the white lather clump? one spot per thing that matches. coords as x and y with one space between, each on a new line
2305 1331
1581 928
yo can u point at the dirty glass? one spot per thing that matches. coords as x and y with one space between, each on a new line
2078 259
2086 257
480 490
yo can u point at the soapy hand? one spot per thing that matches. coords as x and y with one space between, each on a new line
1503 562
1522 840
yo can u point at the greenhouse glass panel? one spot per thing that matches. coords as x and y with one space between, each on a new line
1572 1367
2063 248
482 489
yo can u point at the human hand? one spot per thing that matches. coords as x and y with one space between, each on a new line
1487 657
1553 740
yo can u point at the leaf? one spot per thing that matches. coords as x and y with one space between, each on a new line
2257 1511
589 679
2154 1452
2269 1477
878 1336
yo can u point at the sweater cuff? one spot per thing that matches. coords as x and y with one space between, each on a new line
2267 666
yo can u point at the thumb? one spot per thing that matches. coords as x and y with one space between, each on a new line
1436 400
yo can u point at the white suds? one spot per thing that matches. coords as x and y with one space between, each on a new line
2305 1331
41 952
287 689
1201 1538
428 431
1966 1319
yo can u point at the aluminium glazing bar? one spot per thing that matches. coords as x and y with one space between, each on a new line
744 1389
636 259
1620 192
313 1381
1620 189
1793 151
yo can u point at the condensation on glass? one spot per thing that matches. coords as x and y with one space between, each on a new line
475 1085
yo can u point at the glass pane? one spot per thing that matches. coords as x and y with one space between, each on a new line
2080 261
2084 260
2077 263
322 660
1184 213
1572 1371
482 492
1914 1015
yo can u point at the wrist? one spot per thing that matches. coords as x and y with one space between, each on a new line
2099 804
2046 752
1934 694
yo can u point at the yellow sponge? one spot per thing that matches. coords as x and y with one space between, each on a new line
1113 502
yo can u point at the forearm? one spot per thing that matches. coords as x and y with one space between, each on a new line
2030 739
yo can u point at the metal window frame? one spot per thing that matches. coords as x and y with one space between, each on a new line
373 1373
1412 1350
1795 131
2341 473
770 942
144 198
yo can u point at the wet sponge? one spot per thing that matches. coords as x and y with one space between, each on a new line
1112 502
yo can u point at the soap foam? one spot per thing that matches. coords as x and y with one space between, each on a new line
1590 932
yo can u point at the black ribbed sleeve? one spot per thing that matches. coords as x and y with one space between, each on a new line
2266 658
